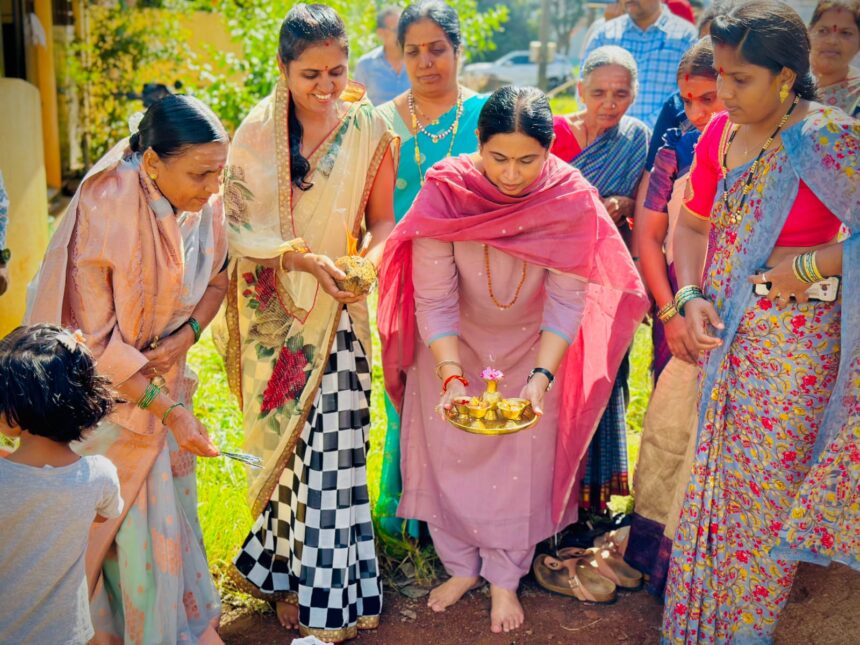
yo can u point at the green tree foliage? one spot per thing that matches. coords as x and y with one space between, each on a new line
117 55
232 84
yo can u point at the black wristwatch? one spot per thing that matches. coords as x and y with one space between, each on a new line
540 370
5 256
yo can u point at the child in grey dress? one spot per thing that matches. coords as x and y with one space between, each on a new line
50 395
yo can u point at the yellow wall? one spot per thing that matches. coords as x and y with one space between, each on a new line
22 160
47 82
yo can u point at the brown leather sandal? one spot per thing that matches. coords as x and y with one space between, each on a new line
609 564
573 577
616 539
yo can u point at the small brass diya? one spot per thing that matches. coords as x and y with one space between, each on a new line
491 413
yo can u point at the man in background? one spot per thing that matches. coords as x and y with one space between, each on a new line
657 39
381 70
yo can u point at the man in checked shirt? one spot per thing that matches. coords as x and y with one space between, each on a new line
657 39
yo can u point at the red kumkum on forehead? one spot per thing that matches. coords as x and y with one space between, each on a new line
689 95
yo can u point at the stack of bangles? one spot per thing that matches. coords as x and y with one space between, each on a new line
149 395
667 312
686 294
806 268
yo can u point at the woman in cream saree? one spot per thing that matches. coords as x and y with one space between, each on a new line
298 353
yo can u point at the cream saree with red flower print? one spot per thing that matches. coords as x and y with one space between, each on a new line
297 362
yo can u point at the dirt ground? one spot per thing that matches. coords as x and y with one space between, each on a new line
824 608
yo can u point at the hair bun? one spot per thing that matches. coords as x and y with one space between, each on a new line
134 142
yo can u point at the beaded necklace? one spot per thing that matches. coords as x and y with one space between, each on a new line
418 127
501 305
734 215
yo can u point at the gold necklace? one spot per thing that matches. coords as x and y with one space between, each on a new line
490 282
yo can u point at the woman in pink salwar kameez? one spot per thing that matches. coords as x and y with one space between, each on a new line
508 259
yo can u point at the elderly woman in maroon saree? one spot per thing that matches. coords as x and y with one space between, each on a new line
520 274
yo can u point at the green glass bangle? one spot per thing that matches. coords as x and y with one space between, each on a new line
169 410
195 327
685 295
149 395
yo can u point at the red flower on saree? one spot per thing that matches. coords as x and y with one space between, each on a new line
827 540
265 288
288 379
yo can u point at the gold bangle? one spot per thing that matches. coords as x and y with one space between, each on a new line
813 265
442 364
668 312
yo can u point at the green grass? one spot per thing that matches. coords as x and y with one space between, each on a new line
564 104
224 513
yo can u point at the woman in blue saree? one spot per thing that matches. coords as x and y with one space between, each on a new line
437 118
777 461
609 149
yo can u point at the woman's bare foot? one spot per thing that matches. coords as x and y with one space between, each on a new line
288 614
507 612
450 592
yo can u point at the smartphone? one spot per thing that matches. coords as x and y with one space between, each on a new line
826 290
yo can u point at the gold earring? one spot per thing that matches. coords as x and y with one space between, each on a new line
783 92
153 176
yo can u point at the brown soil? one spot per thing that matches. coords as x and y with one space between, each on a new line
823 608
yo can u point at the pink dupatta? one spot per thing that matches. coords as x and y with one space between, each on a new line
559 224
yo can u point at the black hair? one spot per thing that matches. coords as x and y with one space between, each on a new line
698 60
175 122
49 385
707 16
444 15
768 34
305 25
384 13
517 109
851 6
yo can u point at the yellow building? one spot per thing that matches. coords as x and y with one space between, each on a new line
43 118
29 142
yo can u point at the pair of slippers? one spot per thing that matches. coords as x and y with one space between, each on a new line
589 575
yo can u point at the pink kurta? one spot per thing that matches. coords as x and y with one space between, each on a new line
491 492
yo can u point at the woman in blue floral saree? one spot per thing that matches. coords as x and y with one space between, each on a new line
777 462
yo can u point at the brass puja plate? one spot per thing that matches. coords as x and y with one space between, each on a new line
507 416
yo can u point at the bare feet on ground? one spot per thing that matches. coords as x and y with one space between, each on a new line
507 612
288 615
450 592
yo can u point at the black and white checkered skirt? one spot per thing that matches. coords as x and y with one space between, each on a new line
315 537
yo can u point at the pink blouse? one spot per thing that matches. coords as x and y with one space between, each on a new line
809 222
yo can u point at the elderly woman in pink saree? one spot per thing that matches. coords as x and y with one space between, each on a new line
137 264
508 258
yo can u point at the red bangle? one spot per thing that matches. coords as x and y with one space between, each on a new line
456 377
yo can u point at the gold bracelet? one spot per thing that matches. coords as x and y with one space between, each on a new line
667 312
442 364
296 247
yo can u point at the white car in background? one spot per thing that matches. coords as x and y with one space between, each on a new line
514 68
